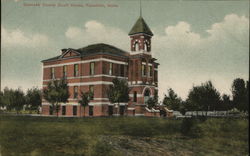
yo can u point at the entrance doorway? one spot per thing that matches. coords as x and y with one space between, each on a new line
110 110
91 110
121 110
146 96
63 110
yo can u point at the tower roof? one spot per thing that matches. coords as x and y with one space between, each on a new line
140 27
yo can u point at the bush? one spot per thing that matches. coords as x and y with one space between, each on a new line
102 148
191 127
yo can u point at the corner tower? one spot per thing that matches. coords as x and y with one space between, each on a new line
140 36
143 70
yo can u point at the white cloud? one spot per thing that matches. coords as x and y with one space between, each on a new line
188 58
182 34
12 38
96 32
233 27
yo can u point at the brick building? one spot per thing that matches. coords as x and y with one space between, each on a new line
92 68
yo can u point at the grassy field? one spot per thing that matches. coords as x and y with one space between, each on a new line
118 136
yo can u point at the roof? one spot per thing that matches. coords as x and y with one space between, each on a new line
95 49
102 48
140 27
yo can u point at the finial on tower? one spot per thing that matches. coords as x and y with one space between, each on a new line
140 9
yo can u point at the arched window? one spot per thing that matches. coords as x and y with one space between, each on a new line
136 46
143 67
146 46
135 97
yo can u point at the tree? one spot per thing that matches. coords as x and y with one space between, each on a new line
247 96
13 99
34 99
172 101
152 102
18 100
226 103
183 108
240 91
1 99
8 98
203 97
56 92
84 101
119 91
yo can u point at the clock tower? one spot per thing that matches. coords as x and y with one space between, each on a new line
143 69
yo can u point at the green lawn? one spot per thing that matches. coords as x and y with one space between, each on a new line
132 136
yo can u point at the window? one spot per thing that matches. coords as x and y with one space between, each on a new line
110 68
155 75
76 70
52 73
146 47
136 46
92 68
91 89
144 73
91 112
75 92
135 96
146 96
74 110
64 71
150 71
63 110
122 69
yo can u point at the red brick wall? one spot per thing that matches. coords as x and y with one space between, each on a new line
45 109
141 44
101 67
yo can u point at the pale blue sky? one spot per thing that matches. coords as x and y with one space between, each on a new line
194 41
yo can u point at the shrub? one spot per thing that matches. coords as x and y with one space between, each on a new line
191 127
102 148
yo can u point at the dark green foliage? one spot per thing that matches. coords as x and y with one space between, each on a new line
13 99
8 98
56 92
204 97
152 102
240 91
1 99
85 98
102 148
119 91
183 109
192 127
226 103
33 99
172 101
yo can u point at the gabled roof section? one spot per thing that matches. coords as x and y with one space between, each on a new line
69 53
140 27
93 49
